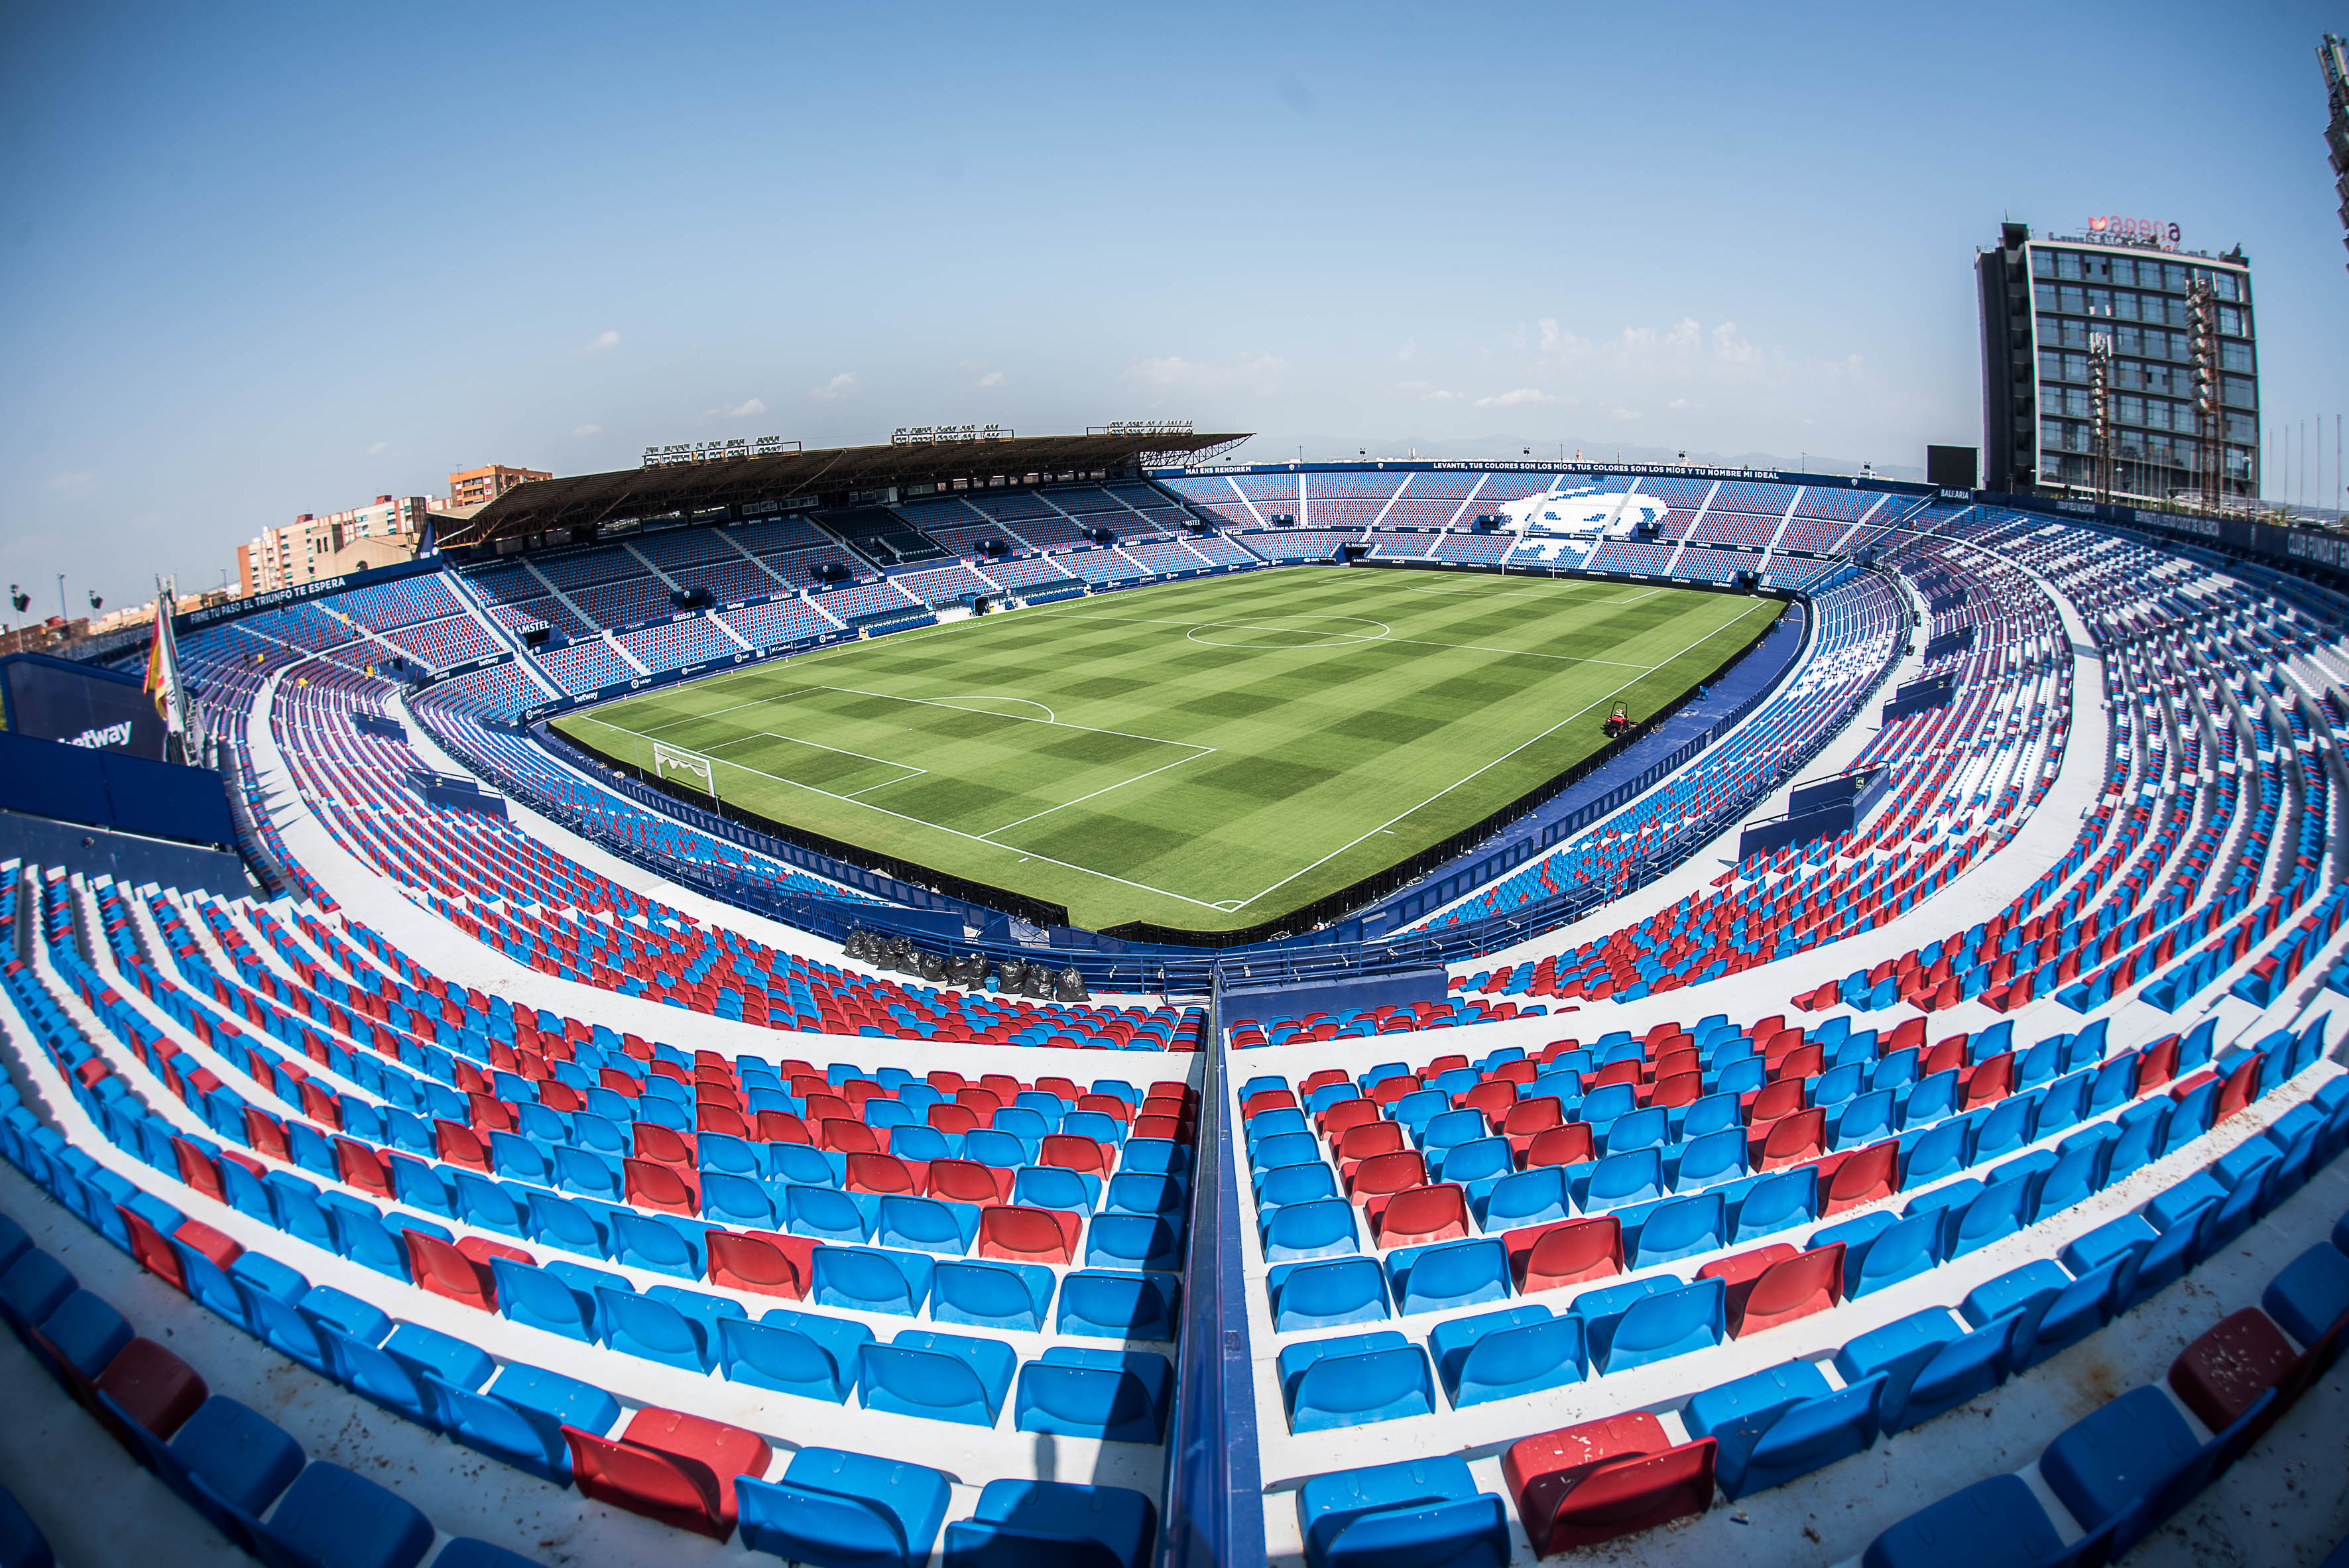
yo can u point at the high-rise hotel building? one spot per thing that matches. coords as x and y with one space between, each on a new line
2118 367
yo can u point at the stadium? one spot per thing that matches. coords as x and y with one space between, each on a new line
1062 1000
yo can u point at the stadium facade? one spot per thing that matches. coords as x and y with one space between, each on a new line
2118 366
499 1160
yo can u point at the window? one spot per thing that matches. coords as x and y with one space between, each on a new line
2051 365
2223 285
2076 402
2043 264
2124 307
2124 271
2043 296
2230 320
2240 391
2235 357
2173 277
2067 264
2242 427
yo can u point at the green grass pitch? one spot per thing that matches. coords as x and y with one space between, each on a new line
1204 755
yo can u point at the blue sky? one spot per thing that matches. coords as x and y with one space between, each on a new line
262 261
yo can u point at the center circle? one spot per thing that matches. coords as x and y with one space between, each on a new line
1287 632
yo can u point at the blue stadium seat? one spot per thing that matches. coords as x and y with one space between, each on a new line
1994 1524
945 1376
1131 1240
841 1509
1415 1510
86 1331
489 1424
1449 1275
1299 1184
34 1287
21 1544
338 1519
1669 1323
1117 1305
993 1295
868 1279
2103 1465
1781 1423
1327 1295
246 1459
2310 1294
1053 1525
802 1353
1500 1355
1681 1227
637 1325
1319 1228
543 1300
549 1401
1534 1197
429 1352
1353 1379
466 1552
1110 1395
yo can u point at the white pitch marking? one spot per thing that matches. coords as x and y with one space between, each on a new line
1495 762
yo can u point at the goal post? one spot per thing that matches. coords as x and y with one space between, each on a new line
669 759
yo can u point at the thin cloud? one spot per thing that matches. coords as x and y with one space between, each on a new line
1428 392
747 410
1626 414
1402 354
992 378
841 385
581 430
72 481
1256 372
1515 398
378 450
600 342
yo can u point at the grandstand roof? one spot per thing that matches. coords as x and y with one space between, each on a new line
585 501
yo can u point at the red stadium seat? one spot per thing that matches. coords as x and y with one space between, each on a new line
1859 1176
654 1185
441 1269
761 1262
1564 1252
2223 1373
1028 1235
154 1388
1604 1479
1420 1214
1568 1145
968 1181
1789 1288
1067 1151
1383 1175
783 1127
1792 1139
881 1173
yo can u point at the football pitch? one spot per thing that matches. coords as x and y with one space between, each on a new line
1204 755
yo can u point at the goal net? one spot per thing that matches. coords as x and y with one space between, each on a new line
669 759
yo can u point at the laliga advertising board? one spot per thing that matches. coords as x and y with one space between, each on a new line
101 710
